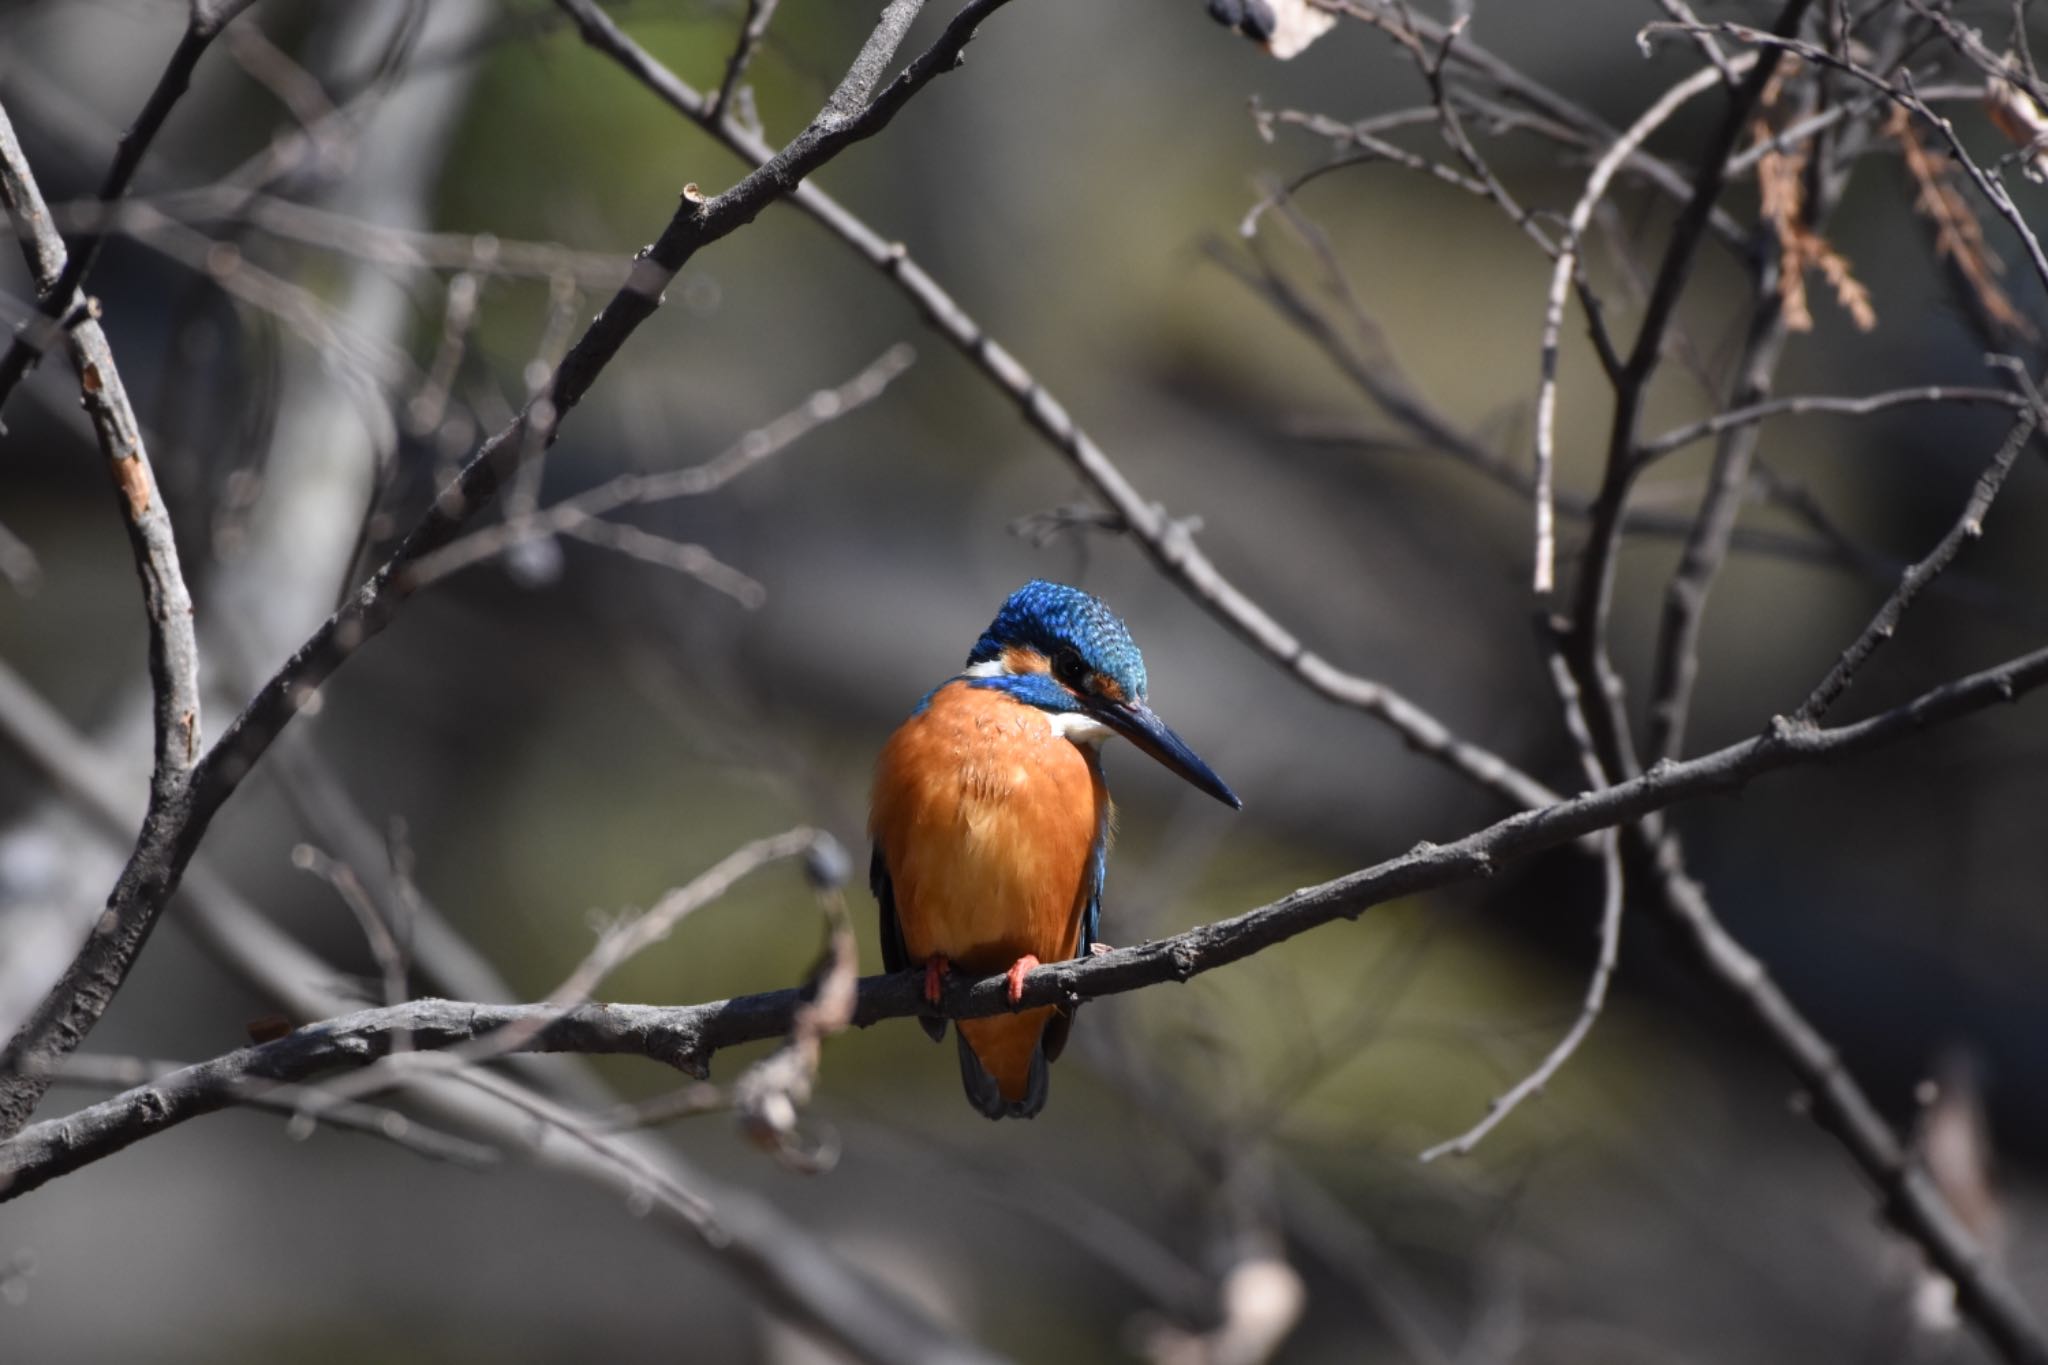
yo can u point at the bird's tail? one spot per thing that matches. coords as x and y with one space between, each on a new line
1003 1063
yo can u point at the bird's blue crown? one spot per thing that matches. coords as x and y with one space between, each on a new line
1064 624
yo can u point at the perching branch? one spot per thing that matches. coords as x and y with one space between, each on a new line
688 1037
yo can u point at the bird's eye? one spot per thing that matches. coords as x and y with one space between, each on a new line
1068 668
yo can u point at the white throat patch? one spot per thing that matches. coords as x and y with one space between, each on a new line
1079 726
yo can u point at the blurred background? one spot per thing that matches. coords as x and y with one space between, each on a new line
556 735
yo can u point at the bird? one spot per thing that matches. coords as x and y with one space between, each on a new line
992 825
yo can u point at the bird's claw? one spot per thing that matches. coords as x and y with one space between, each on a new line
1019 969
936 970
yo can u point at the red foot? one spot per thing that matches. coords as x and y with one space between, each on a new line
1018 970
936 970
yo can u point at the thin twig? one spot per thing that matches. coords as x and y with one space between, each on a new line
386 941
230 202
104 1072
1497 1110
760 13
1544 577
62 297
683 557
1808 404
770 1094
615 947
572 514
1613 897
278 72
1968 527
1709 49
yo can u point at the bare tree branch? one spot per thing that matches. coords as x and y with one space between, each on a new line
60 1021
1825 125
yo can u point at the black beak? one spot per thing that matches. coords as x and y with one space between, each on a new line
1135 722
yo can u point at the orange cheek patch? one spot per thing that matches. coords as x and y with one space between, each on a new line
1020 660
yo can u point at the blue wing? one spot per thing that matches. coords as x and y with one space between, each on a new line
1091 918
1054 1040
894 958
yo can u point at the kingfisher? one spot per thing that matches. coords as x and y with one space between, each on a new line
992 825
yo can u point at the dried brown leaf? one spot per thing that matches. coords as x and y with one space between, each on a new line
1958 235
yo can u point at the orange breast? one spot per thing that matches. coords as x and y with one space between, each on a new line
987 820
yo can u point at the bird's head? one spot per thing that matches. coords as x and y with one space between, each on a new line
1061 650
